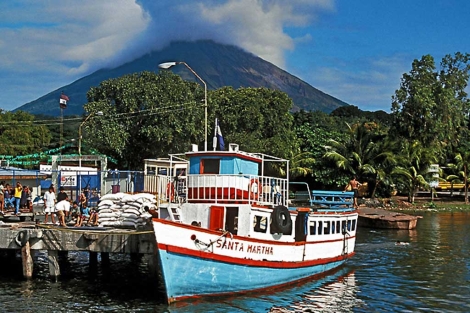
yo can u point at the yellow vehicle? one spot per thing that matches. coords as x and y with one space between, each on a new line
450 186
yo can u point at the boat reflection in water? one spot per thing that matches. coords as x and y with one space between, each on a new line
335 292
338 296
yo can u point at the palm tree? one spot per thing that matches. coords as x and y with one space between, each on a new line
301 164
462 161
365 153
413 168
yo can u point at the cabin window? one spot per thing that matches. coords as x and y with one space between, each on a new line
260 224
231 220
353 225
338 227
320 227
326 229
349 225
313 227
343 226
210 166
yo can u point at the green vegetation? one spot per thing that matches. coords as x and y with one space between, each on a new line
148 115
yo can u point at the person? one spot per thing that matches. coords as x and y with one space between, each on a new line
93 221
2 198
62 206
49 205
83 199
7 195
354 185
75 212
17 194
84 214
401 243
25 198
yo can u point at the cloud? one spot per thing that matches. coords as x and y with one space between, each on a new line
254 25
51 43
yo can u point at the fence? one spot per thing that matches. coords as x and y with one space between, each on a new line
75 181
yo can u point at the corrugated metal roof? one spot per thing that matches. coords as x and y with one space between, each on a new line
15 171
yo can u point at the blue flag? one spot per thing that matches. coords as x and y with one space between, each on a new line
219 136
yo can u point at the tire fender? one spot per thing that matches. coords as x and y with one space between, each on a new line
22 238
281 221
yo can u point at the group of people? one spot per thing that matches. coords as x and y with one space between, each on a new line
60 206
14 197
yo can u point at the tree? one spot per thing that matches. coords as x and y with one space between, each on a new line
462 162
258 119
362 153
313 131
21 134
145 115
413 167
148 115
432 106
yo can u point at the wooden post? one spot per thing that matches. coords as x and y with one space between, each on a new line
27 261
104 257
93 257
54 268
152 263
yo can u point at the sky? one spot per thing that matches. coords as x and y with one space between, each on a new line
356 51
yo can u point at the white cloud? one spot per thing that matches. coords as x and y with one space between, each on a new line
78 34
51 43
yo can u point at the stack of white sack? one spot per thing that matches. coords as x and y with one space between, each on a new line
124 210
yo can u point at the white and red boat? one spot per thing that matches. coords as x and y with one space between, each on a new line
225 226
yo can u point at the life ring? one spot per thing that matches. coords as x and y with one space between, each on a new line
170 192
22 238
281 221
253 192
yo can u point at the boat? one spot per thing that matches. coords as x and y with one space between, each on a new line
386 219
226 224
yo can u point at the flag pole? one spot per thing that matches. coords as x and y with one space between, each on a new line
61 128
214 140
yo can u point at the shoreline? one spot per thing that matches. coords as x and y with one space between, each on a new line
421 204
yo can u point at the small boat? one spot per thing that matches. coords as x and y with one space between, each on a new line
380 218
225 224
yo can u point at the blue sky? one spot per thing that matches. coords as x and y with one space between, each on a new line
356 51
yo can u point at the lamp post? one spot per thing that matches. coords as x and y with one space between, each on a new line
80 134
168 65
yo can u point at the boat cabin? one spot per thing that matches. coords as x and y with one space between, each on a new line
233 176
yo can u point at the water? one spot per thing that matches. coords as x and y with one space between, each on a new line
431 274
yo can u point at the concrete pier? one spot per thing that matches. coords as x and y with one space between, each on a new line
29 237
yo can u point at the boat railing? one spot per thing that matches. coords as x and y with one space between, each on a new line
219 189
325 200
236 189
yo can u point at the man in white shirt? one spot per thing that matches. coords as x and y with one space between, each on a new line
49 205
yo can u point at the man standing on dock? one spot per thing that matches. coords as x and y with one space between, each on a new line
17 194
49 205
354 185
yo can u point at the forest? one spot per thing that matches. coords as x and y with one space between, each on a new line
148 115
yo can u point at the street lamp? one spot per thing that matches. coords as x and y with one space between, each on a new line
168 65
80 133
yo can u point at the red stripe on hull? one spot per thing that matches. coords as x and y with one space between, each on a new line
249 239
248 262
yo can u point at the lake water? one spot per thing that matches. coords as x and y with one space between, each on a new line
431 274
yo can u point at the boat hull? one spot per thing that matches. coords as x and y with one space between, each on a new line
197 262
